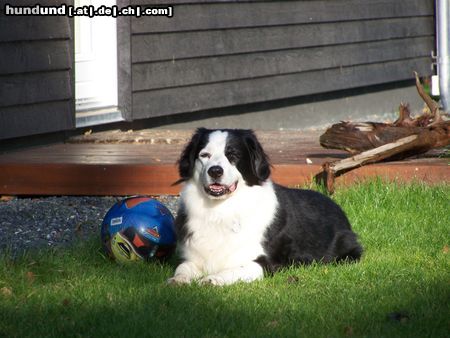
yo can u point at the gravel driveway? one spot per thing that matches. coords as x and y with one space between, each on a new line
33 223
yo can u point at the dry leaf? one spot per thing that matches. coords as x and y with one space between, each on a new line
445 249
30 276
293 279
79 230
273 323
348 331
5 291
7 198
88 132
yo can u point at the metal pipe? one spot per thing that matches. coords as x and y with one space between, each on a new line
443 50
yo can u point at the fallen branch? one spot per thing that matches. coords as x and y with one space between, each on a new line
335 169
431 104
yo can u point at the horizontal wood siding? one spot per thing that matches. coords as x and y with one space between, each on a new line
25 28
36 73
213 95
228 14
213 54
16 118
174 46
34 56
185 72
29 88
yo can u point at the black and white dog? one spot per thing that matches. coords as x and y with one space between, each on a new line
234 223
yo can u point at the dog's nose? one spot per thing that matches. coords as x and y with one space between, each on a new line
215 171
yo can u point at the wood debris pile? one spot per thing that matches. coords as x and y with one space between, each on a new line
371 142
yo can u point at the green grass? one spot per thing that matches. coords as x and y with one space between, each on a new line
399 289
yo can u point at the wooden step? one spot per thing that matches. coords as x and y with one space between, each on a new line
123 179
90 166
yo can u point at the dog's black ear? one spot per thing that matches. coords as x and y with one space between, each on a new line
187 159
259 161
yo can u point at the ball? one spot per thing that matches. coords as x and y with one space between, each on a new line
138 228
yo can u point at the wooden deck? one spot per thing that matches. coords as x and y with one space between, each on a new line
127 163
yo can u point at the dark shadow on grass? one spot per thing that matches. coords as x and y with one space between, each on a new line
98 298
206 312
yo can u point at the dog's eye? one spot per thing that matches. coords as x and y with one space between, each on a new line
232 156
205 155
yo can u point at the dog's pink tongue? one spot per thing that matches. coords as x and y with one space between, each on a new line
216 187
232 187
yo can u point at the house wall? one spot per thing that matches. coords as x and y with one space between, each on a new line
213 54
36 82
217 53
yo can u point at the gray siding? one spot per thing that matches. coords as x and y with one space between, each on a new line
214 54
36 73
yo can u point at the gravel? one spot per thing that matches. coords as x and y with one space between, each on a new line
36 223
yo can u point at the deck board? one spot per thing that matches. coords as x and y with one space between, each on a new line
145 163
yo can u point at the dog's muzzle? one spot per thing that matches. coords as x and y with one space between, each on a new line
216 188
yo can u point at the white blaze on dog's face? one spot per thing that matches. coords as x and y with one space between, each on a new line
213 169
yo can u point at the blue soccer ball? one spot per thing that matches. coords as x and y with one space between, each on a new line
138 229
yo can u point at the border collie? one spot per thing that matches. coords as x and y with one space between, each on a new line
234 223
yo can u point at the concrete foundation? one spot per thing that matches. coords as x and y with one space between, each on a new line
379 103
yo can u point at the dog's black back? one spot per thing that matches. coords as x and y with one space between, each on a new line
308 227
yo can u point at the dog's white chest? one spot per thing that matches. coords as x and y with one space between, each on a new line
225 244
230 233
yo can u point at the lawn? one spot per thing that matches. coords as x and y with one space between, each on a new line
399 289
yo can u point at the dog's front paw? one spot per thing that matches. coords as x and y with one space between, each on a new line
179 280
212 280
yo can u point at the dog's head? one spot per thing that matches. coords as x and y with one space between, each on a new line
221 160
